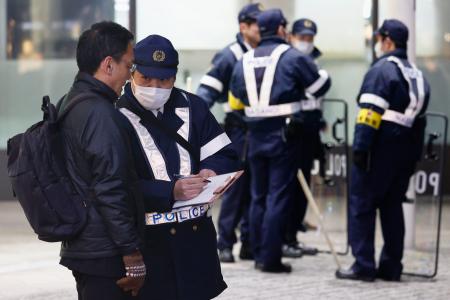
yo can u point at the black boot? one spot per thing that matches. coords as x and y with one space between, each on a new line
277 268
246 252
307 250
352 275
292 251
226 256
388 277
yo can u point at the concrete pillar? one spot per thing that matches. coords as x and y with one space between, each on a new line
405 11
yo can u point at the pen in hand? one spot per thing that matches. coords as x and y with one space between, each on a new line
179 176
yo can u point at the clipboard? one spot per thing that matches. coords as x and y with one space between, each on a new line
214 190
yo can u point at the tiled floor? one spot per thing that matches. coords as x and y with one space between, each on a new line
29 268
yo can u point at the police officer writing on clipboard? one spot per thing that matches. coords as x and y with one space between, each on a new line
388 142
174 135
269 83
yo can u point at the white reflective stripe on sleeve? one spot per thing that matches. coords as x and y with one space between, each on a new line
152 153
212 82
318 83
214 146
398 118
269 74
185 158
311 104
237 51
374 99
273 110
250 78
226 107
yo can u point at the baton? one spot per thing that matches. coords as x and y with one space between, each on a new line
316 211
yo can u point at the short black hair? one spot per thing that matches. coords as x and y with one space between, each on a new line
248 21
101 40
397 44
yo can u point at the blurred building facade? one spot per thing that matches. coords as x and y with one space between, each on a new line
38 44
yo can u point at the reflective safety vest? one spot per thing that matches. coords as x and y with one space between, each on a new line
416 85
157 163
260 106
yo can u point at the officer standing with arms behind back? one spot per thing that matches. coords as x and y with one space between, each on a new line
388 142
270 82
309 122
214 87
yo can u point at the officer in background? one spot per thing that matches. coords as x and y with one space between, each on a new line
309 122
388 142
302 37
270 82
213 88
180 244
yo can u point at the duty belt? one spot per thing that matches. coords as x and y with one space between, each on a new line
273 110
310 104
399 118
179 215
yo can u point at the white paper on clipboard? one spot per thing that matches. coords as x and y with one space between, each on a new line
218 185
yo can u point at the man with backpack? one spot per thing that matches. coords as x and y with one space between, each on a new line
105 256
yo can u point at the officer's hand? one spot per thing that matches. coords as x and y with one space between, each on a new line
206 173
189 188
292 131
361 159
136 272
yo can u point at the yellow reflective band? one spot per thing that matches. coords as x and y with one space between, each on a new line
235 103
369 117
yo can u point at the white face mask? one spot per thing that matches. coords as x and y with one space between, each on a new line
150 98
304 47
378 51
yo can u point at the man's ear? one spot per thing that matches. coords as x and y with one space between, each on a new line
106 66
290 37
282 31
391 43
242 26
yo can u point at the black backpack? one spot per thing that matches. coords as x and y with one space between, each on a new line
36 168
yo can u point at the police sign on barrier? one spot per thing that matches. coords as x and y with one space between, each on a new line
329 181
423 257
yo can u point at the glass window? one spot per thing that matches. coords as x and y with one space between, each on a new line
48 29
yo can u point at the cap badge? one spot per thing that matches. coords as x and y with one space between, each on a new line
159 55
307 24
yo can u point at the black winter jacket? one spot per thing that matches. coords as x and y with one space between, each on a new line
100 164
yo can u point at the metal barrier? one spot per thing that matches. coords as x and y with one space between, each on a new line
438 157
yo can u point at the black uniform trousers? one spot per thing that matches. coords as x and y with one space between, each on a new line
384 188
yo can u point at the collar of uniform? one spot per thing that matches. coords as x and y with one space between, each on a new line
271 40
400 53
86 81
316 53
242 43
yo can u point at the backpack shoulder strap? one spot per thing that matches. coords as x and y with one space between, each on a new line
67 107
